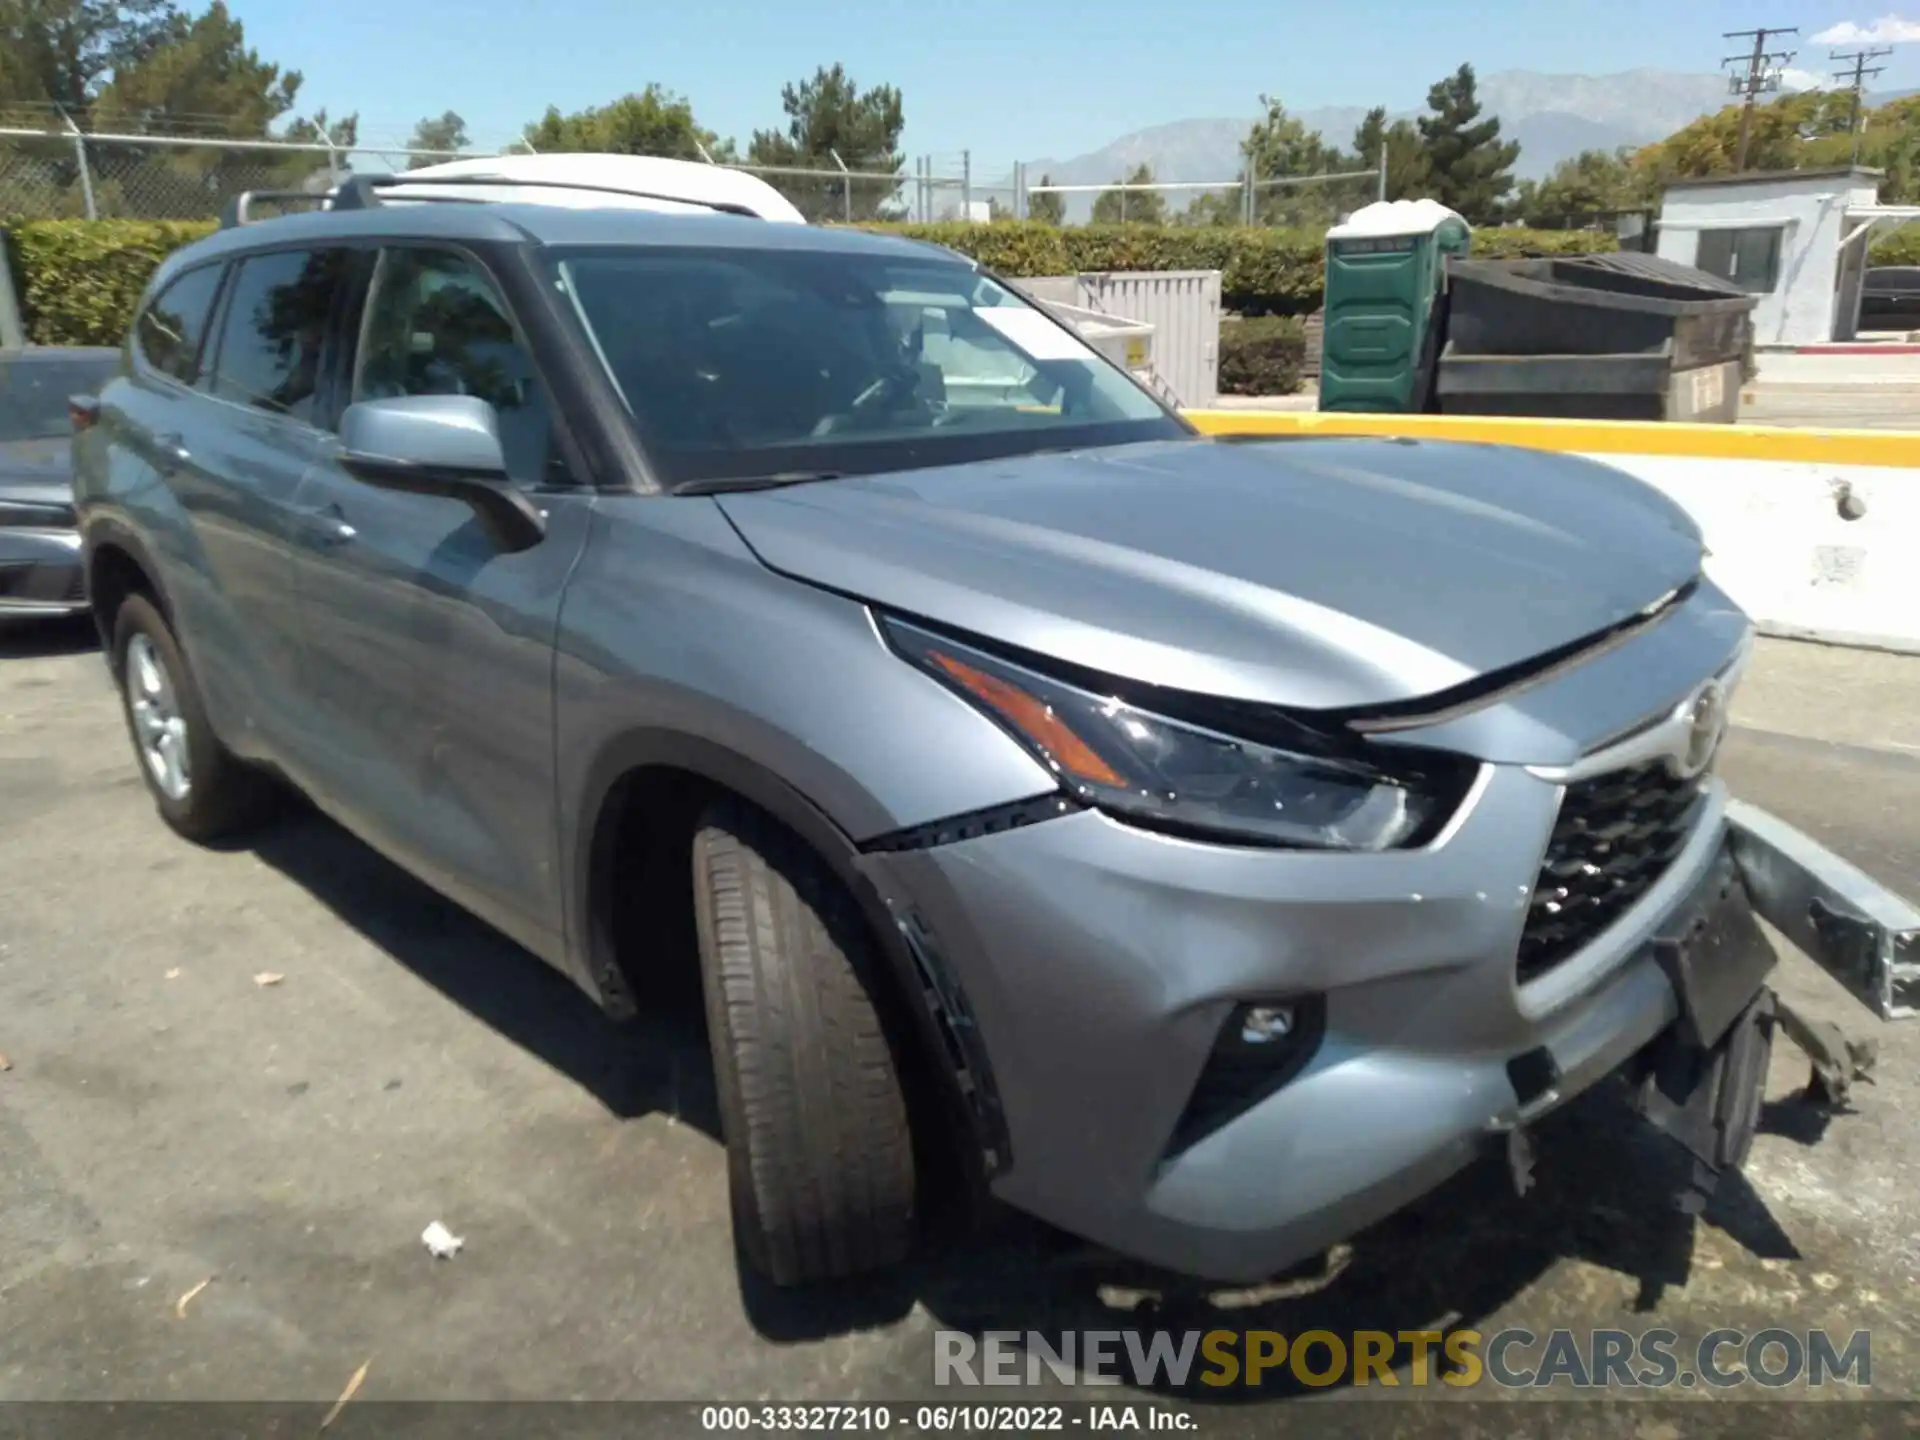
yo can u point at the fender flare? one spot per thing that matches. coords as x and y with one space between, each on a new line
591 855
102 531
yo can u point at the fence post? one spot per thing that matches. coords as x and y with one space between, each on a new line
80 157
13 332
1383 170
966 184
846 186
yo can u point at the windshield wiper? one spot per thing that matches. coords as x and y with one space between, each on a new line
734 484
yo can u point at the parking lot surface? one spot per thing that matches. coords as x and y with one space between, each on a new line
176 1122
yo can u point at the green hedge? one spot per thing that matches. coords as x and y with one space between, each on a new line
78 279
1265 355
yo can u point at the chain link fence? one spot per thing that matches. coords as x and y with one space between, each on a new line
48 174
73 175
136 177
1308 202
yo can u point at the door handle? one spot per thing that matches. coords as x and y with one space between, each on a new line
328 525
173 449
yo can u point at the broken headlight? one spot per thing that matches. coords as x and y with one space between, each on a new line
1183 777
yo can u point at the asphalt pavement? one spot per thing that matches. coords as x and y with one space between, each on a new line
240 1083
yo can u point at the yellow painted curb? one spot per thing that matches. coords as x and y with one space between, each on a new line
1894 448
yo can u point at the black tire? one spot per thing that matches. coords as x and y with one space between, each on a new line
223 796
820 1156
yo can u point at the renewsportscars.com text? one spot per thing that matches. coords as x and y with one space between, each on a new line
1509 1359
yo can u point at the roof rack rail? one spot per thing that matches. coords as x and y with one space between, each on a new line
362 192
239 210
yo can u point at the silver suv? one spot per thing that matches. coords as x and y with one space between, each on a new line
1211 846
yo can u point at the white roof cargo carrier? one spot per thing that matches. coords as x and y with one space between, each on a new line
576 182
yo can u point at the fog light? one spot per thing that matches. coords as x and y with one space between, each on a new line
1263 1024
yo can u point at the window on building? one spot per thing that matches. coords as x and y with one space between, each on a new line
1748 258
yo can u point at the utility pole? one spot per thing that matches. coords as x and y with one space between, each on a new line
1763 74
1856 81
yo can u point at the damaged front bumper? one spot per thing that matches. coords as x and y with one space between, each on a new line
1853 927
1703 1080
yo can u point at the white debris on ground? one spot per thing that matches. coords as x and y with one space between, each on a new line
441 1242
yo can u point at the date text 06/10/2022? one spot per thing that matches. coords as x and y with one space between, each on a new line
944 1419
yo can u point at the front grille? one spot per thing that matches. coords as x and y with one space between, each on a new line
1616 835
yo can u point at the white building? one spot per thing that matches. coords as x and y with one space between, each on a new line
1797 239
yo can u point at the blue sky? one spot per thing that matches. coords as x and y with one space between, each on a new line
1007 79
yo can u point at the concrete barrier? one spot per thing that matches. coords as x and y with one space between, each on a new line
1816 533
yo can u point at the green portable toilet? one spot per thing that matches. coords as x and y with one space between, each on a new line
1386 266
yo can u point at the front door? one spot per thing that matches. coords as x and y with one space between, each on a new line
428 652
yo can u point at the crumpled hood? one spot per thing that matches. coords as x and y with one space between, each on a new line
39 472
1312 573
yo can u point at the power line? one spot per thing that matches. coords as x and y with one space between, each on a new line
1762 76
1856 81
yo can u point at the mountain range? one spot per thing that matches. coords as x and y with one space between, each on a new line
1554 117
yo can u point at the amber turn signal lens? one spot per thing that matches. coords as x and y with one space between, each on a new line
1034 719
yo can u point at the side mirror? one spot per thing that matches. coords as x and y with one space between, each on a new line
445 445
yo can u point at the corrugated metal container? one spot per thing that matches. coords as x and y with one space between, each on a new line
1182 306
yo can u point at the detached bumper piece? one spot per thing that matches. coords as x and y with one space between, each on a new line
1702 1083
1853 927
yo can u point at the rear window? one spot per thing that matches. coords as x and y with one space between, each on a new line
276 321
1894 277
170 330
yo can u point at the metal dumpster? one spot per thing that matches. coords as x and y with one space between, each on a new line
1600 337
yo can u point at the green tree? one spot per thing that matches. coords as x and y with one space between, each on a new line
1047 207
1213 208
447 132
317 129
654 121
1279 147
201 78
58 53
1407 170
1143 207
1805 128
1586 187
832 121
1470 167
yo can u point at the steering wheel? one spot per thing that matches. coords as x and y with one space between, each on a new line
877 402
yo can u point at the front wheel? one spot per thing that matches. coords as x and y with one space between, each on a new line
201 790
819 1152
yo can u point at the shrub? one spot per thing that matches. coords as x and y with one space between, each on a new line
1265 355
78 280
1901 247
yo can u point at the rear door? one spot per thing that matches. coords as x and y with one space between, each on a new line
235 461
428 652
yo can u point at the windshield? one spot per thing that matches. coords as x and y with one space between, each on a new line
740 364
34 392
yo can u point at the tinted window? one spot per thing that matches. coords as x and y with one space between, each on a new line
34 389
1749 258
170 330
1890 279
435 325
739 363
276 321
